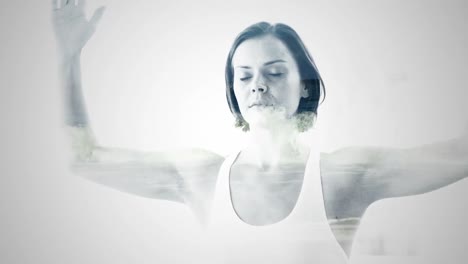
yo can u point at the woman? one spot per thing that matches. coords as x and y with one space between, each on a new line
268 190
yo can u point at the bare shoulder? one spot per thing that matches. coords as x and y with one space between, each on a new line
351 162
347 165
198 167
354 155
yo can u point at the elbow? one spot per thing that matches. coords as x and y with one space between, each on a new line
83 153
83 145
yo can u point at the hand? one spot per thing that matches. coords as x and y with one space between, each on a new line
72 29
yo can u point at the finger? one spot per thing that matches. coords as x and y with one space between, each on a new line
97 15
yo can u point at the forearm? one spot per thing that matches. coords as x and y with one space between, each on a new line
75 114
75 110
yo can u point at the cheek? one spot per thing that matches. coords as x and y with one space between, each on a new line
291 96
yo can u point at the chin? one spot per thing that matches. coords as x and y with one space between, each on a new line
266 116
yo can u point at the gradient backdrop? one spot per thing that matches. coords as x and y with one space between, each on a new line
153 77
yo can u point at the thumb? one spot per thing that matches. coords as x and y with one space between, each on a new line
97 15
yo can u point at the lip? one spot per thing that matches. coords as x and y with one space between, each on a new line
258 104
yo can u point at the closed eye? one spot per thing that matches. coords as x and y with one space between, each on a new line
275 74
245 78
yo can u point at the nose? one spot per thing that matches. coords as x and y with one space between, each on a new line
259 86
260 89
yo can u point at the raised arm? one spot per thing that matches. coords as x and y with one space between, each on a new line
72 31
180 175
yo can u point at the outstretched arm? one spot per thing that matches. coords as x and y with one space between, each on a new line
180 175
384 173
355 177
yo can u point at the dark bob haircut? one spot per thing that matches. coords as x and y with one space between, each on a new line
308 72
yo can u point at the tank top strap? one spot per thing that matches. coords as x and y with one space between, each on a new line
221 203
310 205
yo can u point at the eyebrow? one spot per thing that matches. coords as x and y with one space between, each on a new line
265 64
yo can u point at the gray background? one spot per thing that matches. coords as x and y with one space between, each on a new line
395 73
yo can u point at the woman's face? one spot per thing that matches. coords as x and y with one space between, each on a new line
266 80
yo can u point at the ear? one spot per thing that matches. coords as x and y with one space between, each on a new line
304 91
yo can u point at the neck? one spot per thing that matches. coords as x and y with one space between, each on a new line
272 146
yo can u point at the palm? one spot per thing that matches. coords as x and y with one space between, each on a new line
71 27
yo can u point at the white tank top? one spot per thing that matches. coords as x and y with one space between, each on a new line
302 237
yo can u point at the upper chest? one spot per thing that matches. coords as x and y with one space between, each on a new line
264 197
270 196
